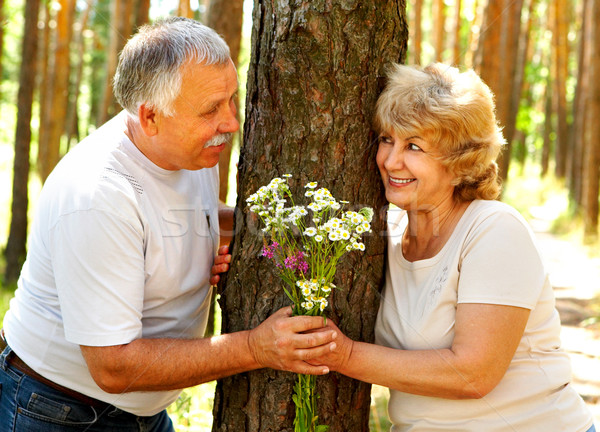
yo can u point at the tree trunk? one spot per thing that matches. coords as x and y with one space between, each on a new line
591 168
456 45
576 133
142 13
226 18
439 31
486 62
184 9
71 128
508 90
560 47
473 37
15 248
126 29
43 80
119 32
101 28
57 103
313 81
548 129
416 28
1 41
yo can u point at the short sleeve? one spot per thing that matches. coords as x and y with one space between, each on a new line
98 266
500 263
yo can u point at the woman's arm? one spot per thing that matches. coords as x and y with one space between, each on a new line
486 338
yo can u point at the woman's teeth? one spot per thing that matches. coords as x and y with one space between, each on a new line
401 181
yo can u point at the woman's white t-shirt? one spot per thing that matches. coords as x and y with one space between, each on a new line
120 249
490 258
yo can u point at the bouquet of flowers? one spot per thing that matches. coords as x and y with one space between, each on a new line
305 244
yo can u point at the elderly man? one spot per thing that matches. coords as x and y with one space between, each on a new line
106 325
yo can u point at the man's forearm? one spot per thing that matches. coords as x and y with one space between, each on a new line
168 364
281 342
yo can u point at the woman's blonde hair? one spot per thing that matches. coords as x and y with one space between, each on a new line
453 110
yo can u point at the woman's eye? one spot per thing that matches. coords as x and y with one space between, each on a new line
384 139
414 147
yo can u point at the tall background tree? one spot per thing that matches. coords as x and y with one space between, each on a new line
591 167
57 85
1 39
226 17
15 248
315 73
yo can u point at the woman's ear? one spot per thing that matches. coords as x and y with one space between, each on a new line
148 118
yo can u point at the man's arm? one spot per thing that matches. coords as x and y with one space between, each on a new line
168 364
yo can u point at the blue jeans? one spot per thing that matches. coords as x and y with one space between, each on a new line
28 405
592 429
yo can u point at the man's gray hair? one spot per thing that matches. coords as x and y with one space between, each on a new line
149 70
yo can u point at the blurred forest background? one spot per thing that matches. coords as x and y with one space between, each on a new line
540 57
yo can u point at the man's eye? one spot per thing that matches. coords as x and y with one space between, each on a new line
210 112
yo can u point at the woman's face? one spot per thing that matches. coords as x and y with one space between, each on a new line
413 177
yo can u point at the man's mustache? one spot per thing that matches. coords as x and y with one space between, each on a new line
217 140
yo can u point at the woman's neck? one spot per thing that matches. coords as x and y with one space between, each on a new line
430 228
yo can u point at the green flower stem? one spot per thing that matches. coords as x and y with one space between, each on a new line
305 399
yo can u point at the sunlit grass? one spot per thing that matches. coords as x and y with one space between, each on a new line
545 201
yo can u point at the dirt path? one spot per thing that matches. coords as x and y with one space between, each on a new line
575 277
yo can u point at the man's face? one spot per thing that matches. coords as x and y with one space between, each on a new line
204 111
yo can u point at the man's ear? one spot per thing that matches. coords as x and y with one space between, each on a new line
148 118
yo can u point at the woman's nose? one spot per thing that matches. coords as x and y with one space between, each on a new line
395 158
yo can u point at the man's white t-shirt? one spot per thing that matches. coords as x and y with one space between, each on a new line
120 249
490 258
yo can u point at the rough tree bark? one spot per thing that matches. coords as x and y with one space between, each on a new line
15 248
312 85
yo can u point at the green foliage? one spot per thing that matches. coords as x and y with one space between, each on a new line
96 75
192 412
11 60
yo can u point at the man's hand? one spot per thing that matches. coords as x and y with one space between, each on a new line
221 264
290 343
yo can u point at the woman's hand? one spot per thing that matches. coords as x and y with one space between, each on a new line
339 356
221 264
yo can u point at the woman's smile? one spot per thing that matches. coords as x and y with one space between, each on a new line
401 181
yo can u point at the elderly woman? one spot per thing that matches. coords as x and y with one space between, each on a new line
467 334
